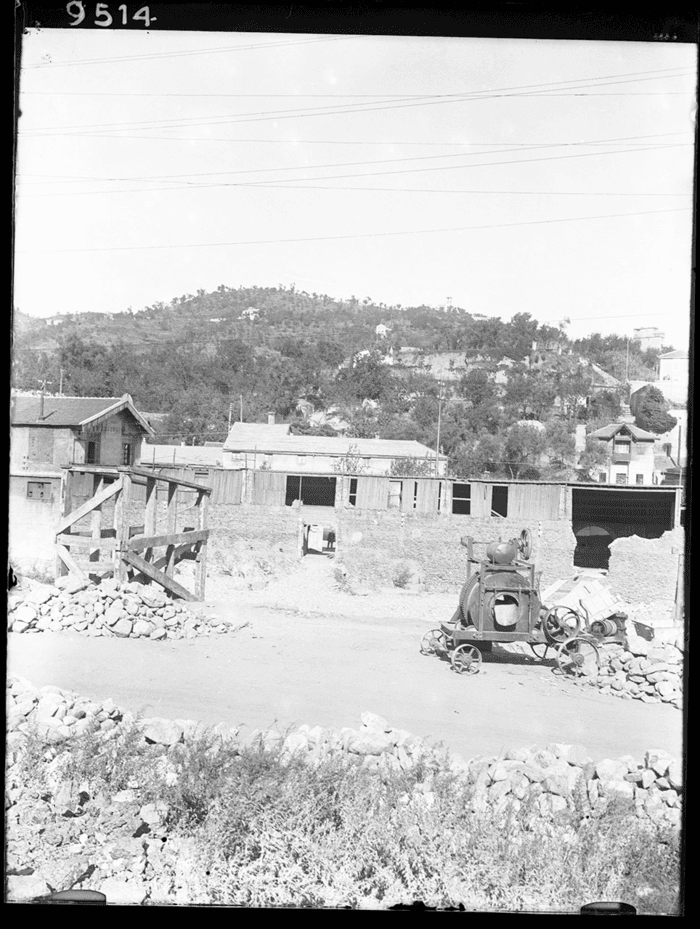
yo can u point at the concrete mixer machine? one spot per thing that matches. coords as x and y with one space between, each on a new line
500 602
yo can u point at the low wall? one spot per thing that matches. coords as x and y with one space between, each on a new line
371 544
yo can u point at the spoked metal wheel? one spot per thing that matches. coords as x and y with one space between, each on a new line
540 649
433 642
579 656
466 659
561 623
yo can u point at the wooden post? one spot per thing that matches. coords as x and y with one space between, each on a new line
121 525
96 521
60 568
201 559
150 514
172 527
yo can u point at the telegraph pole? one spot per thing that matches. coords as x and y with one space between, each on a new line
437 444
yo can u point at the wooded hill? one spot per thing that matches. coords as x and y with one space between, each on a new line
196 358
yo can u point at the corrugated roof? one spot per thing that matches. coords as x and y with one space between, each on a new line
253 434
202 455
68 411
327 445
607 432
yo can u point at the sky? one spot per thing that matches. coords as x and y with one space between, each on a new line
552 177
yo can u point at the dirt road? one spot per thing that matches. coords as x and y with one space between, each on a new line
288 668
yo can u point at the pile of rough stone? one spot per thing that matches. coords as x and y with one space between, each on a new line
642 670
61 837
106 609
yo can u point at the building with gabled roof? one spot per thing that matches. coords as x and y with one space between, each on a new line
273 447
630 451
49 433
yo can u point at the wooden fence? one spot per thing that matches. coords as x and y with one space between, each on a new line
98 538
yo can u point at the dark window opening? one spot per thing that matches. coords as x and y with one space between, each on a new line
462 499
602 478
293 490
352 496
310 490
439 496
499 501
620 478
394 501
640 478
415 495
127 456
39 490
92 453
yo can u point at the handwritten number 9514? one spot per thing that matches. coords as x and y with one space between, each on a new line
76 11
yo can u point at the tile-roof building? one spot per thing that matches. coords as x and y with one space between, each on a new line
49 433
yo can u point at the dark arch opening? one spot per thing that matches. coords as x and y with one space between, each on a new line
592 547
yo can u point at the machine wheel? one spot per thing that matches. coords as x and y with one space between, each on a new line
433 642
561 623
525 544
540 649
466 659
579 656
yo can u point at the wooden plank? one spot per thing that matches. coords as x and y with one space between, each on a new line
172 526
139 542
96 521
84 542
121 525
179 553
69 561
88 506
145 568
142 472
201 559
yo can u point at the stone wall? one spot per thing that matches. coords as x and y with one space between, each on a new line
373 545
643 570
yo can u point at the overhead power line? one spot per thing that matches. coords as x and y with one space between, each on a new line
361 235
312 40
294 183
344 164
296 113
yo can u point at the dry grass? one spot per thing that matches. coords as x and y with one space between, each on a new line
270 831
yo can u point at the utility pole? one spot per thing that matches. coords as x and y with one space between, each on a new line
60 384
241 420
627 364
437 444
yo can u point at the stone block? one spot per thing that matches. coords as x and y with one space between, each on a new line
161 731
122 627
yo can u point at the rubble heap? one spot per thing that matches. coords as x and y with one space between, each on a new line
642 670
106 609
60 836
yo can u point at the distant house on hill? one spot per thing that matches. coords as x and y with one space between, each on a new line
630 452
673 376
251 313
382 331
